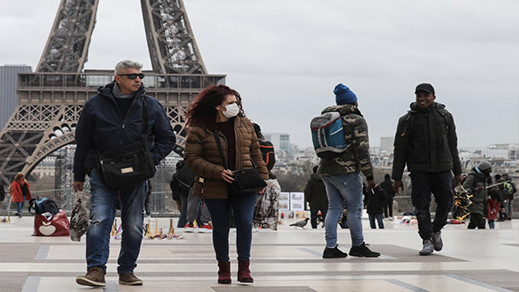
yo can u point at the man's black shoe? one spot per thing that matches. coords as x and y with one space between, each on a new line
330 253
363 251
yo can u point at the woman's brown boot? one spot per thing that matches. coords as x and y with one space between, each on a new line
224 272
244 272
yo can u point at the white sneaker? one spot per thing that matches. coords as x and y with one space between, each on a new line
205 228
189 228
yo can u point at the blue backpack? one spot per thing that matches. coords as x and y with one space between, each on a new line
328 135
43 205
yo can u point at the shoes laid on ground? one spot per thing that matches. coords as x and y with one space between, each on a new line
189 228
330 253
129 279
205 228
363 251
95 277
428 247
437 241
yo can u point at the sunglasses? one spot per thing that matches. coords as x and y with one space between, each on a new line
133 75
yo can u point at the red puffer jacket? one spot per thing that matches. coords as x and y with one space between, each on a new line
17 192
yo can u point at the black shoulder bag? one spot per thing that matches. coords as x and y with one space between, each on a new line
247 180
131 164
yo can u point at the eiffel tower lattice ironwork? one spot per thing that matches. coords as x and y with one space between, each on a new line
51 99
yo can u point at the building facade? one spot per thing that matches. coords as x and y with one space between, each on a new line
8 96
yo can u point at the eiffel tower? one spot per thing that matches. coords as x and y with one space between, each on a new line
51 98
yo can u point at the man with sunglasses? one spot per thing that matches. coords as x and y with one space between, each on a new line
109 120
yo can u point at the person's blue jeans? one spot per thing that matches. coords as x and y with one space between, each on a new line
380 220
344 190
19 207
102 217
242 207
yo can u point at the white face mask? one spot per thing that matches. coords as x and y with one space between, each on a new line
232 110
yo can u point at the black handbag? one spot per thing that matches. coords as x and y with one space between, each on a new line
128 165
185 176
246 180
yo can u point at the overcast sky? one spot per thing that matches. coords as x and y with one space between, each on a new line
286 56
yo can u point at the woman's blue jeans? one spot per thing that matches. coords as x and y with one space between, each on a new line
19 206
380 220
102 217
242 207
344 190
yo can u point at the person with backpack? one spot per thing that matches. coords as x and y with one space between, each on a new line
266 148
387 185
20 191
266 210
426 142
341 175
476 185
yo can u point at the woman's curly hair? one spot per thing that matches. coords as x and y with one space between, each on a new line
202 110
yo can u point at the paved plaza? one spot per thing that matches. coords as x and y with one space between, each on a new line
284 260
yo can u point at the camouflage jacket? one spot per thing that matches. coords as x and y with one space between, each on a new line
356 157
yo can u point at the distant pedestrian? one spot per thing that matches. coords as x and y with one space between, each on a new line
2 196
180 191
21 192
315 195
342 179
377 200
476 185
197 211
387 186
509 191
498 193
426 142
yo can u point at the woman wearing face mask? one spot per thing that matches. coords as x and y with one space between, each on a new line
217 110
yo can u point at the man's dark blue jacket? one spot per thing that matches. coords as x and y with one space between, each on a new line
101 128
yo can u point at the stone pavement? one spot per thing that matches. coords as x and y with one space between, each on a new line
284 260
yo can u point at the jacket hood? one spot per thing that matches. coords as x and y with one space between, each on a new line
416 108
478 173
343 109
316 176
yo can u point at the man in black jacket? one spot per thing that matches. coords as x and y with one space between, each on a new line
109 120
426 141
387 186
315 195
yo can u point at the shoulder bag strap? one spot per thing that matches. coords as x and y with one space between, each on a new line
144 116
220 149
